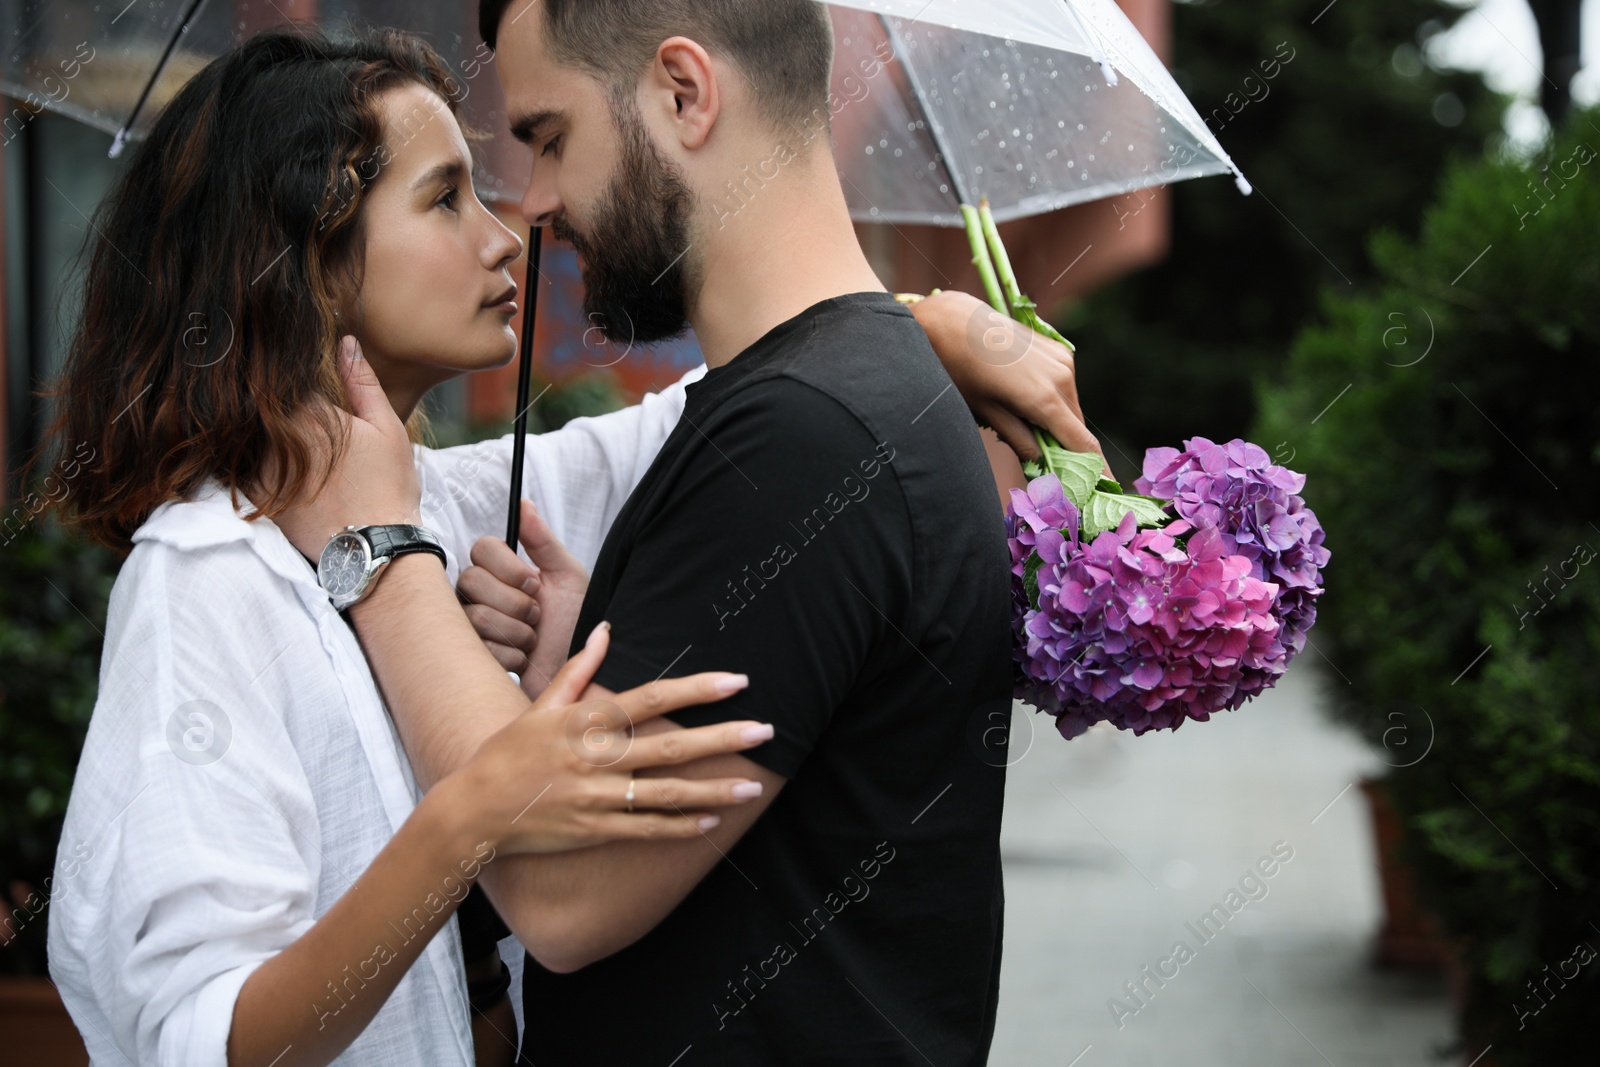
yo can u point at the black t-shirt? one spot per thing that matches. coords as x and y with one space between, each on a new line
824 519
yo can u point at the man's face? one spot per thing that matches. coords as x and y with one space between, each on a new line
603 186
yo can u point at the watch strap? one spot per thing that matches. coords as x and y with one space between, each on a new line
388 542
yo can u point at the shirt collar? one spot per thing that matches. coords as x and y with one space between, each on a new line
208 518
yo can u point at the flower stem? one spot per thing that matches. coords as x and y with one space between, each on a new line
1022 309
981 260
1005 296
1043 439
1002 261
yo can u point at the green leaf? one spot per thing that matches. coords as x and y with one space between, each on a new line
1103 513
1031 319
1033 469
1030 579
1147 509
1106 511
1079 471
1107 485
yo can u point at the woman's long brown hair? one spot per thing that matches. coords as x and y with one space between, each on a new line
215 269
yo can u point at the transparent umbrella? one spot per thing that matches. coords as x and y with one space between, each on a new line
1035 104
114 64
96 65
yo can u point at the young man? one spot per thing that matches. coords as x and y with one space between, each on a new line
822 520
818 520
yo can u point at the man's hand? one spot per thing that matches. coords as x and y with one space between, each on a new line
1009 375
372 479
524 614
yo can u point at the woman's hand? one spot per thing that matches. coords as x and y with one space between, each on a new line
558 777
525 614
1009 375
374 482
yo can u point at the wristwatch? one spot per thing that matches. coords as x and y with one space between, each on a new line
353 557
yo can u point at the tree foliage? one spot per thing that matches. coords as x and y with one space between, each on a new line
1340 140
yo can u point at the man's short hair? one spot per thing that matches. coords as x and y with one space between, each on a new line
784 48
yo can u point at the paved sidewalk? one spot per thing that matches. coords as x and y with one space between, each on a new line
1117 846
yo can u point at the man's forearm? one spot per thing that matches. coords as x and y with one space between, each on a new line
444 689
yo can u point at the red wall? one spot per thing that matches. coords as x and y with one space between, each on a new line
5 354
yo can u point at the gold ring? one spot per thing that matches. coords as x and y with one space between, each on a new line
629 797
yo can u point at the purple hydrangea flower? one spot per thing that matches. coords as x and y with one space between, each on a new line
1148 627
1255 505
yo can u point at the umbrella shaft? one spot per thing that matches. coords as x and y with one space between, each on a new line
519 424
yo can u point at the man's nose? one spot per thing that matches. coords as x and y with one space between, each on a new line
540 203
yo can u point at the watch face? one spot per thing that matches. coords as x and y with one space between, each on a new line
344 565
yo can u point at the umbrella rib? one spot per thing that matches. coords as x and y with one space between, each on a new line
963 195
161 65
1091 37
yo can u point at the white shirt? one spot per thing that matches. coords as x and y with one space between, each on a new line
241 769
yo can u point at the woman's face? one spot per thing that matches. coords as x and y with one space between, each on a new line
433 299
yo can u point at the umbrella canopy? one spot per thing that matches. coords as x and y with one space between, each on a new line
114 64
93 63
1035 104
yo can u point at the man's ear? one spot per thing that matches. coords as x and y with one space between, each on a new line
686 81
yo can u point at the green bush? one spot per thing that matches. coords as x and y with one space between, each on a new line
1336 126
553 406
1449 423
54 591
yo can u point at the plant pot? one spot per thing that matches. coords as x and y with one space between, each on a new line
1410 937
38 1031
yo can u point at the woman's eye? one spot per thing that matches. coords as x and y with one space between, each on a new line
548 145
448 199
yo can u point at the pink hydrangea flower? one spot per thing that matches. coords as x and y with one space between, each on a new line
1148 627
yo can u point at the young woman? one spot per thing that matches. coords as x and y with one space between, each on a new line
249 872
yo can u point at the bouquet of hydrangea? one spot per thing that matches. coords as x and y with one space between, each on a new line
1145 610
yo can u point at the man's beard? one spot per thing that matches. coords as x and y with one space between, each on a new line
635 262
